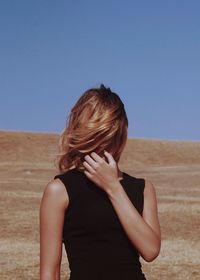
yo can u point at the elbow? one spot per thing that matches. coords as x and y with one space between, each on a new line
152 254
150 257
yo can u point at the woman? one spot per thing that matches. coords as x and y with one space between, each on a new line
106 218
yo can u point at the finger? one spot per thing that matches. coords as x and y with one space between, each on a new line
96 157
109 157
87 174
92 163
88 167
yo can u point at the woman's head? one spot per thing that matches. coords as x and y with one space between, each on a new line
97 122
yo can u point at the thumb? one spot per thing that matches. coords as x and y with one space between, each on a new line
110 158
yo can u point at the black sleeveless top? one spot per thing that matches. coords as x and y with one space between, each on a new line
97 246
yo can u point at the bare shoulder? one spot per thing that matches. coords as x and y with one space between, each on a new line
56 187
56 192
149 188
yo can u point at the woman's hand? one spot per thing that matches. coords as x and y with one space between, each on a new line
103 174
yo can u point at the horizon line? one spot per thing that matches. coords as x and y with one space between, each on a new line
130 137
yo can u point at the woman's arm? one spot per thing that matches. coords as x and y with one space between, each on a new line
143 231
52 210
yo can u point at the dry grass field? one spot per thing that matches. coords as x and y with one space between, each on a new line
27 164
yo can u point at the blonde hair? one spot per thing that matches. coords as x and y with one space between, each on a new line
97 122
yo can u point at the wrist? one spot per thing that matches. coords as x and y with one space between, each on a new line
113 189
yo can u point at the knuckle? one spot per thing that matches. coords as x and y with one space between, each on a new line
93 172
96 166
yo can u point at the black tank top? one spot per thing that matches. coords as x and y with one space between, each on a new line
97 246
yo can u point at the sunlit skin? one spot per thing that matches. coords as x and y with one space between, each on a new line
143 231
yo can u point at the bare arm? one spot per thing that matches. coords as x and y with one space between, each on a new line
143 231
52 209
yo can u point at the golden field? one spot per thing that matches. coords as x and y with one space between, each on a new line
27 164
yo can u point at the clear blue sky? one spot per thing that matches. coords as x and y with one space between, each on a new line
146 51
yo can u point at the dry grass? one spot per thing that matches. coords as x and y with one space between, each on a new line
27 164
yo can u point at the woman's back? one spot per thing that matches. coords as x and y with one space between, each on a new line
99 219
96 243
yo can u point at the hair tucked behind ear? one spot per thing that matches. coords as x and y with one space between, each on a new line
97 121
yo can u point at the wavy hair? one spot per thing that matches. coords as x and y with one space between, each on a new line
97 122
